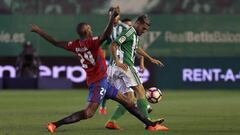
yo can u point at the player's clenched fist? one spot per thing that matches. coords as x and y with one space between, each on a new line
35 28
114 11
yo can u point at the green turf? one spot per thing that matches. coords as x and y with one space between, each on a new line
186 112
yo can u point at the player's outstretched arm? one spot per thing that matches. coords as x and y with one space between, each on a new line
142 67
140 51
36 29
113 49
108 30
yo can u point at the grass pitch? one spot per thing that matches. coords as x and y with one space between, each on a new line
193 112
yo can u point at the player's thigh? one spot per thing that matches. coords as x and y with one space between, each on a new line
114 94
132 80
97 91
121 86
111 91
130 95
117 77
123 99
139 90
131 77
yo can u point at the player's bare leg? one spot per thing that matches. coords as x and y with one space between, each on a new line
86 113
130 95
129 105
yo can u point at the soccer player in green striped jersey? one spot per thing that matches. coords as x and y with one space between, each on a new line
124 50
119 26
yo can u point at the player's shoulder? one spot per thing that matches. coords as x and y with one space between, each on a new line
73 42
79 42
92 38
130 31
92 42
123 25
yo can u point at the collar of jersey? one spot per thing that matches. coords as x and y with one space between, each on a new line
134 29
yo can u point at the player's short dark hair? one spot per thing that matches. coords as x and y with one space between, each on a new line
79 28
144 19
126 20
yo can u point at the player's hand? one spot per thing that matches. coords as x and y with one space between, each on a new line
35 28
114 11
123 66
157 62
110 11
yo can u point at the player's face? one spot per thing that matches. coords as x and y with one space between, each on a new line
129 23
142 28
116 19
87 30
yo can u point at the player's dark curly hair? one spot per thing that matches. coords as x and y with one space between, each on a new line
144 19
126 20
79 29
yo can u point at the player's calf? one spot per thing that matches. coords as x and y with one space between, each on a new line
76 117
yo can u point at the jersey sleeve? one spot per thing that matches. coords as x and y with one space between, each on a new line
125 26
71 45
124 36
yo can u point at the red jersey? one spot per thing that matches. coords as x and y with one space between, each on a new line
91 57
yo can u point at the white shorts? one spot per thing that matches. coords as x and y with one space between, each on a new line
123 80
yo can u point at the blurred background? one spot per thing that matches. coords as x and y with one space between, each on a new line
197 40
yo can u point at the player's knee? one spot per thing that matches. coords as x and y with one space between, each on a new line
89 113
130 96
129 103
140 91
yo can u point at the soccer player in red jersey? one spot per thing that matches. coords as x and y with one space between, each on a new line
88 50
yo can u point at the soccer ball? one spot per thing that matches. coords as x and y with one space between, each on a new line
153 95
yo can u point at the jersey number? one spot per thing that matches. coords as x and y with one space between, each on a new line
86 56
102 92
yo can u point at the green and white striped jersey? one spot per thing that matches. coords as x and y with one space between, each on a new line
117 30
128 42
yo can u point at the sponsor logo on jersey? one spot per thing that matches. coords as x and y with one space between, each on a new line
84 49
122 39
94 38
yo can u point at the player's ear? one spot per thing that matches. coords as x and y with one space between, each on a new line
137 23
